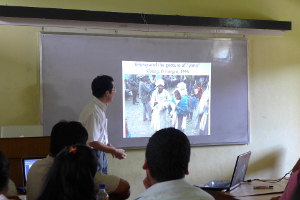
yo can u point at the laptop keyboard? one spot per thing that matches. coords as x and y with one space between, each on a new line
221 183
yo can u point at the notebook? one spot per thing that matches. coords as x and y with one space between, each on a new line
27 162
238 176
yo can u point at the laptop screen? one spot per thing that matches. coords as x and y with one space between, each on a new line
240 169
27 162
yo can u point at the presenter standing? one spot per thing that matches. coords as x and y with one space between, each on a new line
93 118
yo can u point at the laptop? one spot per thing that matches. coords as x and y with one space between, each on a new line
238 176
27 162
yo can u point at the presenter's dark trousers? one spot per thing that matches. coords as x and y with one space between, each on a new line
103 163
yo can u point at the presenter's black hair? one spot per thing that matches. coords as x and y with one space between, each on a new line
71 177
168 154
4 171
101 84
66 133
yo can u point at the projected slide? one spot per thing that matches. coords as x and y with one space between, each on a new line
158 95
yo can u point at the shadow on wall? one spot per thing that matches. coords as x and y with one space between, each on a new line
55 108
29 105
267 166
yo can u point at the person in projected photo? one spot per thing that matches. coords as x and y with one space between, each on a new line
150 85
144 92
192 106
180 110
153 79
204 120
190 87
128 92
134 86
127 131
201 127
199 90
160 101
181 87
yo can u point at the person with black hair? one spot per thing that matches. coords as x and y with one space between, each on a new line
93 118
166 164
144 92
71 175
134 86
180 105
63 134
4 176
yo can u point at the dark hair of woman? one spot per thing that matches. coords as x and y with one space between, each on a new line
71 177
4 172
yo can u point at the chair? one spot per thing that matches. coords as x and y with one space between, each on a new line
21 131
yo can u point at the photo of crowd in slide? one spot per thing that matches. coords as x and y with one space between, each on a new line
158 95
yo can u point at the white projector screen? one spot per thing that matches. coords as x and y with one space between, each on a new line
69 63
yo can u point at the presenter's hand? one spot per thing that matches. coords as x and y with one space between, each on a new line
119 153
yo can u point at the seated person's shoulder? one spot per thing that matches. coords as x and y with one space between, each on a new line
12 190
41 165
113 184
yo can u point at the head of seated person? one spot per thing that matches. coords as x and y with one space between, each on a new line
72 175
4 175
66 133
166 164
164 161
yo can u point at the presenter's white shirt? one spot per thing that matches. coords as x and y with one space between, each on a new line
38 172
94 120
174 190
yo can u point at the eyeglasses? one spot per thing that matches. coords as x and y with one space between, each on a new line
114 90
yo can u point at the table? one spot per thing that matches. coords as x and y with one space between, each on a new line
246 191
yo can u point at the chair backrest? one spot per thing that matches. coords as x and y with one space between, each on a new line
21 131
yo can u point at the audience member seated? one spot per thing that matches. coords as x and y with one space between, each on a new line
71 175
166 164
65 134
5 182
4 176
296 195
292 184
